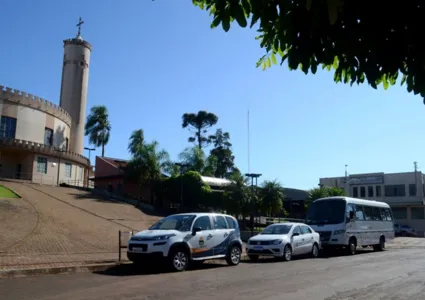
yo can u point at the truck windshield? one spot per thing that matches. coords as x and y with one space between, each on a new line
330 211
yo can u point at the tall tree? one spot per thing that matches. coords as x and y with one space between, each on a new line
223 153
339 35
199 123
272 197
98 127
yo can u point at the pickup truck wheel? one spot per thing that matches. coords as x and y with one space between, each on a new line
179 259
233 258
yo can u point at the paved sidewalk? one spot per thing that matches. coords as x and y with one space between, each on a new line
51 226
406 243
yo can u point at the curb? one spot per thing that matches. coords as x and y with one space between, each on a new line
57 270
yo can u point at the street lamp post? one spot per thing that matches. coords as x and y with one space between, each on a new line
88 171
252 176
59 163
89 150
181 166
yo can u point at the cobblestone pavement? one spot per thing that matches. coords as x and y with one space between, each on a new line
51 225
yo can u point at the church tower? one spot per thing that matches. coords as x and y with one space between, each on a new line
75 78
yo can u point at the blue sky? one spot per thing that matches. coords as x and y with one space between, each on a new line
152 61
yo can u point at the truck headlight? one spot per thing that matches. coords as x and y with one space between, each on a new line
336 232
163 237
277 242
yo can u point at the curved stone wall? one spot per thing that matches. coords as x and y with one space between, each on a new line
34 102
33 115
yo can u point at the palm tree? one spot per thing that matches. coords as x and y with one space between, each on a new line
237 196
272 197
148 162
137 141
323 192
196 161
157 161
98 127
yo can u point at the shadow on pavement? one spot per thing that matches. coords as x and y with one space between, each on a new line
323 255
152 269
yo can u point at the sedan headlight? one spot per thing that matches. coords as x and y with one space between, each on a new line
336 232
276 242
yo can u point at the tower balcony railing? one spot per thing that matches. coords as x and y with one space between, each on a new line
44 149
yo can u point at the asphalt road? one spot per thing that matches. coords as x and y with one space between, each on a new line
393 274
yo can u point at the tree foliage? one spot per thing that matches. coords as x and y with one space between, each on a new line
323 192
361 41
194 159
222 152
200 123
148 162
98 127
271 197
195 191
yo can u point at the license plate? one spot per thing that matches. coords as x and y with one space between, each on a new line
258 247
137 249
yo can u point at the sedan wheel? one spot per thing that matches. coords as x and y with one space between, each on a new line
315 251
287 253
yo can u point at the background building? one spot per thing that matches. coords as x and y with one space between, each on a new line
43 142
404 192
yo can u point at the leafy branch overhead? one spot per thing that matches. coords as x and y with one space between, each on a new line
372 41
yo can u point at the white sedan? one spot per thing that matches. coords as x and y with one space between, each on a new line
283 240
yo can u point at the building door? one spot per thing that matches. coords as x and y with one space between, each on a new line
18 171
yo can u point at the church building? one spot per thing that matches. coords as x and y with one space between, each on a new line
41 141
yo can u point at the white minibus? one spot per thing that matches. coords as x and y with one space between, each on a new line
351 223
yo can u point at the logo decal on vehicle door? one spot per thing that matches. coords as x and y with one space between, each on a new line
201 242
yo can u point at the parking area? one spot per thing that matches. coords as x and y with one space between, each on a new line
393 274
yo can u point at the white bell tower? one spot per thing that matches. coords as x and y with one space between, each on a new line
75 78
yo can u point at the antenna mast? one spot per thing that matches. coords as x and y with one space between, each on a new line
249 152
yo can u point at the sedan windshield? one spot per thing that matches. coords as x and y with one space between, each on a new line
277 229
174 222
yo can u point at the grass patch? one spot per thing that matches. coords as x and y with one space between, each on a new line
7 193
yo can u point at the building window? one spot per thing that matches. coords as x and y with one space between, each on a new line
68 170
7 127
42 165
370 191
355 192
48 136
378 191
400 213
66 144
417 213
412 189
398 190
362 192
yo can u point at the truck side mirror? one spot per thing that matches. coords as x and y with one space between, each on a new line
351 215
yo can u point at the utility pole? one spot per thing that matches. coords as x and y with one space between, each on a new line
252 176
